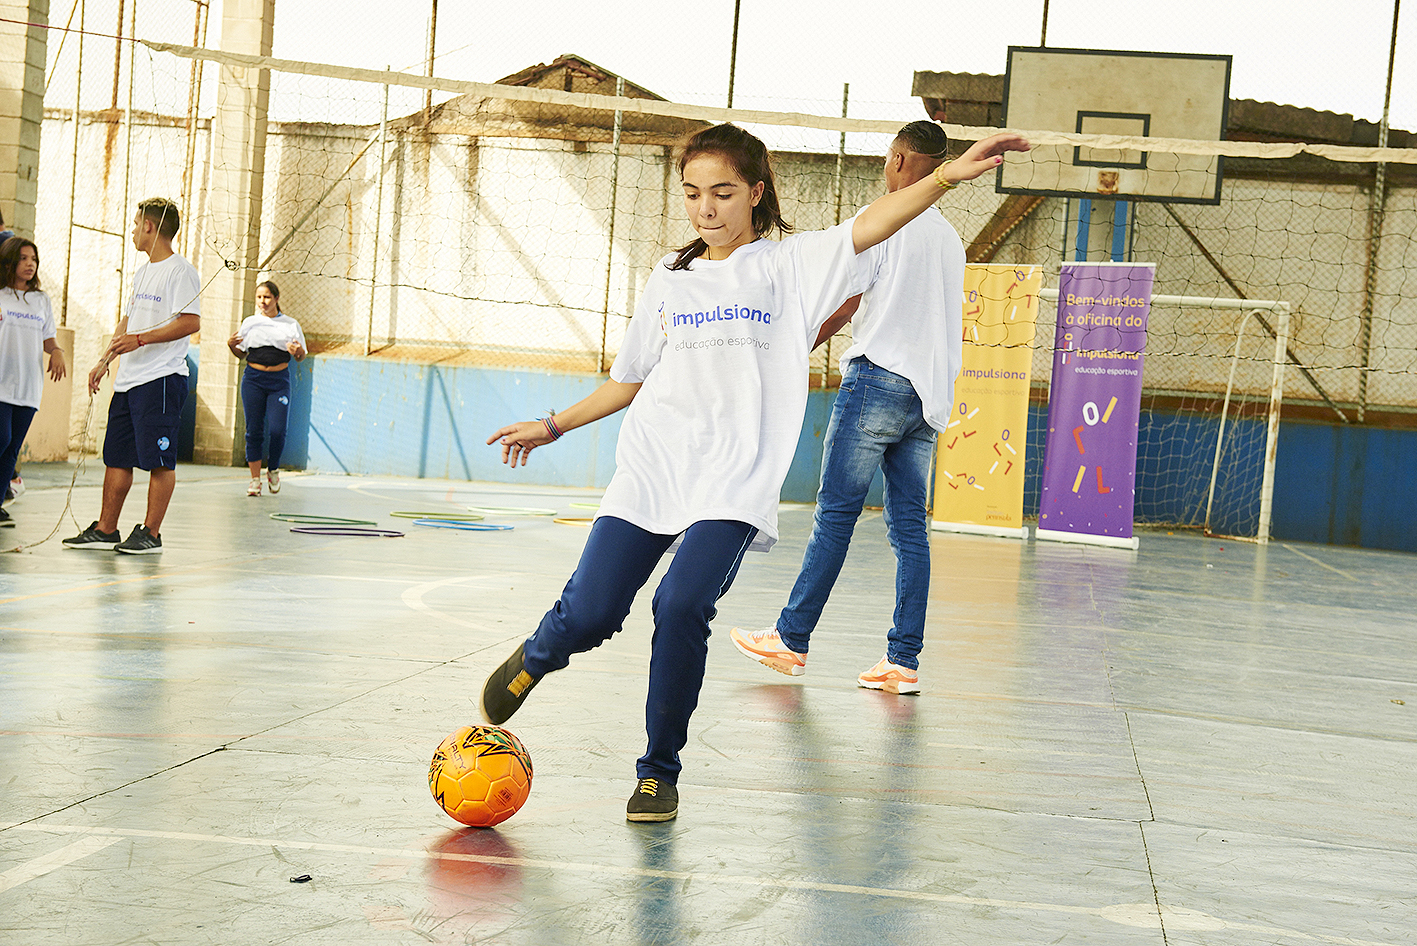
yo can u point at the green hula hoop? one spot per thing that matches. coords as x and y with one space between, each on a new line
444 516
512 510
321 520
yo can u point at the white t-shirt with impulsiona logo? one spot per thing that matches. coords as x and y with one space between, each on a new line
161 292
721 349
26 321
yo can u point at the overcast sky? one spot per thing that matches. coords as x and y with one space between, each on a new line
796 55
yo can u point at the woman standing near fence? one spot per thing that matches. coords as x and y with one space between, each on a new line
267 340
26 329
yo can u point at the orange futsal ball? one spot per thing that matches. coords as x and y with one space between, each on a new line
480 775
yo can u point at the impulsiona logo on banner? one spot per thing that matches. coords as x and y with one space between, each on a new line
979 471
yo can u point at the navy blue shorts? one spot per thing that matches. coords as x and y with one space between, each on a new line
142 425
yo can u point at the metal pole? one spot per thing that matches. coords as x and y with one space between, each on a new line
127 155
1271 439
1377 201
117 56
1224 415
73 172
610 239
1043 40
74 8
432 45
378 221
194 94
733 52
840 162
841 150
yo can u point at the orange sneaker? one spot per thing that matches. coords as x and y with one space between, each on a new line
890 677
767 648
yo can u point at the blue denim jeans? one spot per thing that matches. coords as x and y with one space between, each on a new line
877 421
617 561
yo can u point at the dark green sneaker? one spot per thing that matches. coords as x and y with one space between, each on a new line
654 800
506 689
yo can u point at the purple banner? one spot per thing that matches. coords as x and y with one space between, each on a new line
1090 457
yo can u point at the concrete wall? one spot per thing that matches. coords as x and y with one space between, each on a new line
1334 484
48 437
353 415
484 279
22 59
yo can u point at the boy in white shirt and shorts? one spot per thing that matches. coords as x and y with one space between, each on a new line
150 385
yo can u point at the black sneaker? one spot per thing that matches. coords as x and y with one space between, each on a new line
506 689
654 800
139 542
5 519
93 538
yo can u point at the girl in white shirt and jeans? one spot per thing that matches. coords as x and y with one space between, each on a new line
267 340
26 328
713 370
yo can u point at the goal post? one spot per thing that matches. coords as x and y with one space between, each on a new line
1276 401
1237 504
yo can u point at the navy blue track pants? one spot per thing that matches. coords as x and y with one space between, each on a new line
617 561
265 396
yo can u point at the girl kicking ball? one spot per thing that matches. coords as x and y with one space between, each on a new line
713 370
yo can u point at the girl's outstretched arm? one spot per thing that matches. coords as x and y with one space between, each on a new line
519 439
888 214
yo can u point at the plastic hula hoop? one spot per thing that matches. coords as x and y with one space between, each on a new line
461 526
446 516
582 521
512 510
321 520
348 530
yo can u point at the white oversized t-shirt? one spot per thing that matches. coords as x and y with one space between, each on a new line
721 349
26 320
277 331
161 292
911 319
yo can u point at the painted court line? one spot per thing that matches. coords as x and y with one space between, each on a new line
54 860
1141 915
1317 561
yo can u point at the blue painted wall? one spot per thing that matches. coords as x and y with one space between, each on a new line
1335 484
1347 485
357 415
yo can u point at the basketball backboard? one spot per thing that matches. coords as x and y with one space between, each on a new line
1108 92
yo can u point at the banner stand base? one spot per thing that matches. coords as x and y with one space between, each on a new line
1083 538
969 528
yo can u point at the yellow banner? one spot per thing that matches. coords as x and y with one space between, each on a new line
979 465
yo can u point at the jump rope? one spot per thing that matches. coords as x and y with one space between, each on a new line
108 357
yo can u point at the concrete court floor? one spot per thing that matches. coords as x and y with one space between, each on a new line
1203 742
